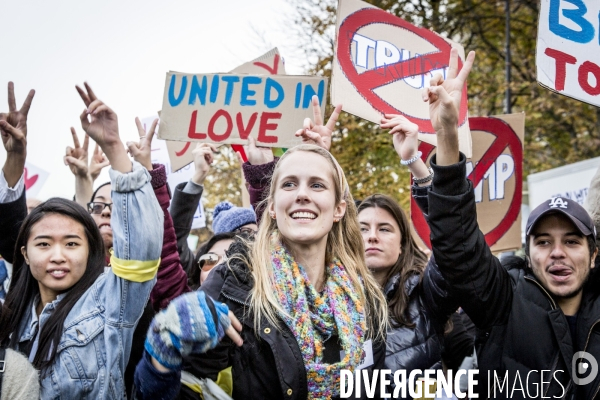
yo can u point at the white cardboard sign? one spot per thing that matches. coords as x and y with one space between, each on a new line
567 55
382 63
35 178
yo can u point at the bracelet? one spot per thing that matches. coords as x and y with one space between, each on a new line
426 179
412 160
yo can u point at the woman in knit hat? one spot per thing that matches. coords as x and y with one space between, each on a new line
229 218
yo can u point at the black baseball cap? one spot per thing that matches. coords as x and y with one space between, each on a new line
576 213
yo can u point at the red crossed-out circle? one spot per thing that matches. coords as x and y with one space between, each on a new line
505 137
366 82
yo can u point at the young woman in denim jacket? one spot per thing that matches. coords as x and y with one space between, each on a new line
74 321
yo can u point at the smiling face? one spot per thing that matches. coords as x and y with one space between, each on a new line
57 253
304 198
560 256
382 238
103 219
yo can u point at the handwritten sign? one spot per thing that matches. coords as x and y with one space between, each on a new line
496 170
270 63
382 63
35 178
228 108
567 57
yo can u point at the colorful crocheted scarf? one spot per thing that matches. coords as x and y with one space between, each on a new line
313 317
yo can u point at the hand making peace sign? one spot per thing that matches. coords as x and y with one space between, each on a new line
444 95
314 131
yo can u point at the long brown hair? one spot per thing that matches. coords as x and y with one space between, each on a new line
344 242
412 260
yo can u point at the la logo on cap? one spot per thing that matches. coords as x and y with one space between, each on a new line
556 202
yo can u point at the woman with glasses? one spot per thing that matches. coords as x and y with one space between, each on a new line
210 255
100 208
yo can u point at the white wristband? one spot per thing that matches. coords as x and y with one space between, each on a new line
412 160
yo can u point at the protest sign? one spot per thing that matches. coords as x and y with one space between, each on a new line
496 170
228 108
270 63
571 181
567 57
160 155
382 63
35 178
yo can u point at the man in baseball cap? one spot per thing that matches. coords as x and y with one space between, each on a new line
537 317
561 248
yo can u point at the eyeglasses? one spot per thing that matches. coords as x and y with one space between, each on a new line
96 207
209 260
246 230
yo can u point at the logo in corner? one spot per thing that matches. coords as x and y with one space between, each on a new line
583 364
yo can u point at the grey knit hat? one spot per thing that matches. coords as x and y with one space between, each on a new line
228 218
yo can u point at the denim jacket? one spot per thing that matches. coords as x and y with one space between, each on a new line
94 348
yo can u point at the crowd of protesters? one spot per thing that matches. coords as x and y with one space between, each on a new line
102 297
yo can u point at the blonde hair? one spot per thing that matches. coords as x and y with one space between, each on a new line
344 242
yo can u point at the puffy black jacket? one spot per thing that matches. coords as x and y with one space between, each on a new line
419 347
522 332
269 364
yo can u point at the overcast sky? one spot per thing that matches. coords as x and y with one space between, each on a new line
123 49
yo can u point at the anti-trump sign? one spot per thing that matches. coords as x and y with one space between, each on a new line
496 170
568 44
228 108
382 63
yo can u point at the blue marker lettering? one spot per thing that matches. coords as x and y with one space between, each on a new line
246 92
587 32
273 84
298 95
197 91
309 92
229 91
214 89
174 101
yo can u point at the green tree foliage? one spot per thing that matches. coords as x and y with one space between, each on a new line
558 130
223 183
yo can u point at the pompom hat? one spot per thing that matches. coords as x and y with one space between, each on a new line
228 218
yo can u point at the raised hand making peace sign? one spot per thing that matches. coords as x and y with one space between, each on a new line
13 125
103 128
444 96
141 151
314 131
13 129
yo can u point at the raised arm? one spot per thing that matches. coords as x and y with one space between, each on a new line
186 198
406 143
13 207
171 280
481 285
137 223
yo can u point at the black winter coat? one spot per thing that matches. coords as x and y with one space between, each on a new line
521 329
268 365
419 347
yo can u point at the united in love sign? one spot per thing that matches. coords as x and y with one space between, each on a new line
382 63
270 63
228 108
